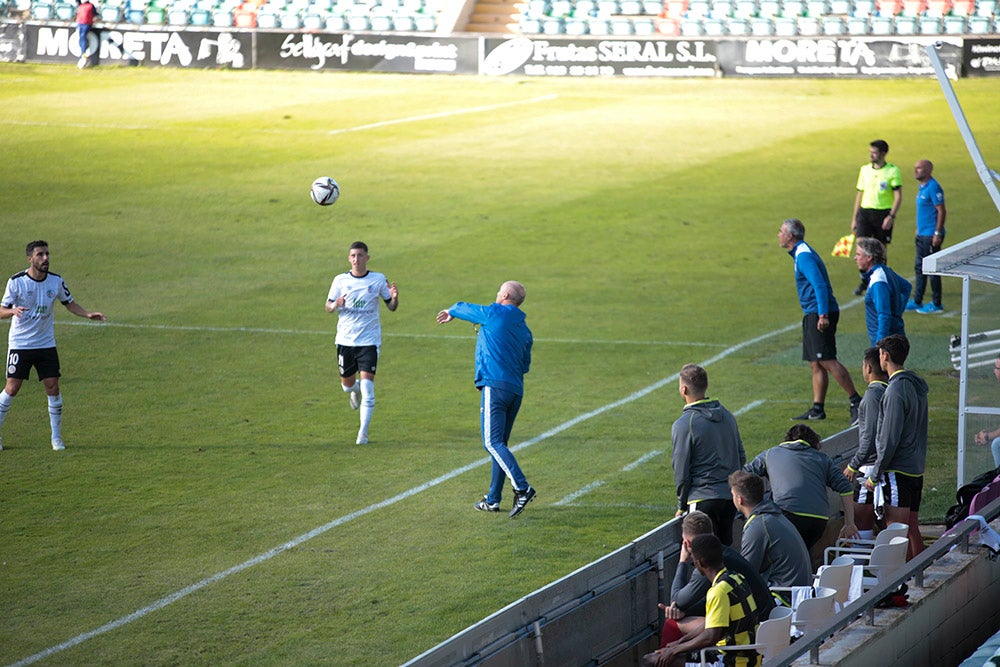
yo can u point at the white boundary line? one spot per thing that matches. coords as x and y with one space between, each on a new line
443 114
748 407
268 555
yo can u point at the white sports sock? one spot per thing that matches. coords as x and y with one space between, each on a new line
354 387
5 402
367 404
55 415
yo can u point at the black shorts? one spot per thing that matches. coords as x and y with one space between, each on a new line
819 345
904 491
862 494
869 224
350 359
45 360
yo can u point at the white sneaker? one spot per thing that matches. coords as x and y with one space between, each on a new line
355 398
57 444
362 439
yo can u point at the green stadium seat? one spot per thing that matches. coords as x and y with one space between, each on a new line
155 16
768 9
598 26
222 18
986 8
713 27
41 11
403 23
358 23
857 25
336 23
785 26
832 25
880 25
425 23
808 26
64 11
643 26
929 25
290 20
738 26
576 26
199 17
178 16
745 9
979 25
380 22
761 27
552 26
267 19
905 25
954 25
691 28
111 14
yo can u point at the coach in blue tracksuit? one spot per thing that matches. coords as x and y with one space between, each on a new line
887 293
503 356
819 321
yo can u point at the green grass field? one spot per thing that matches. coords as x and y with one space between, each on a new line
207 436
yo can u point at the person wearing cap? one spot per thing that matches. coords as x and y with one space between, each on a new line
879 193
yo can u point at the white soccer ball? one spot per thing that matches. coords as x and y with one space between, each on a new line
324 191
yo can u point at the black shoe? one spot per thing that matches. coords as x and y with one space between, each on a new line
485 505
521 500
855 417
811 414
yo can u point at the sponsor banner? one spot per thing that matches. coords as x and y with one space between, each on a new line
175 48
982 57
11 43
599 57
871 57
368 52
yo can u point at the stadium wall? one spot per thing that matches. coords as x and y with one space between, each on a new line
858 57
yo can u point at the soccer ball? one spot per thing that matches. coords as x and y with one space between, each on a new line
324 191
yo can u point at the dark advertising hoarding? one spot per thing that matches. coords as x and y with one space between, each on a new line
870 57
117 45
599 57
12 43
367 52
982 57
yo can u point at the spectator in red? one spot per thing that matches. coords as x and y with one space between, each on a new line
85 15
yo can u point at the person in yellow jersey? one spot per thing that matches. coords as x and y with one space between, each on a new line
731 616
880 191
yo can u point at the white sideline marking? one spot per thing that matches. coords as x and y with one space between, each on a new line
268 555
576 494
443 114
642 459
305 332
748 407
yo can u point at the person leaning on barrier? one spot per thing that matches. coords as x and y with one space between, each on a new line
687 594
731 615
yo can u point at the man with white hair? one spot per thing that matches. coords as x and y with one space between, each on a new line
503 356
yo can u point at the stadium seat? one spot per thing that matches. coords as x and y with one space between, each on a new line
791 9
745 9
721 9
41 11
761 27
111 14
620 26
177 16
832 25
954 25
808 26
840 7
528 25
675 9
785 26
978 25
986 8
768 9
643 26
905 25
888 7
425 23
962 7
584 9
630 7
560 8
690 28
404 23
816 8
552 26
244 18
913 7
713 27
652 7
668 27
938 8
335 23
880 25
864 8
576 26
357 23
290 21
64 11
379 22
856 25
597 25
929 25
738 26
607 8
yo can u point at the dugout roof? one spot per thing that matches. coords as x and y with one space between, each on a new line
978 258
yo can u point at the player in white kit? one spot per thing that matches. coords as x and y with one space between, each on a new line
354 296
29 302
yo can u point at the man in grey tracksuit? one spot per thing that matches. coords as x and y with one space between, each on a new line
901 440
706 448
864 458
770 542
800 475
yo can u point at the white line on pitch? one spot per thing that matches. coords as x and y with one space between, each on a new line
303 332
444 114
268 555
642 459
748 407
576 494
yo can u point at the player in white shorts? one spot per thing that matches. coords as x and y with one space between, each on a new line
354 296
29 302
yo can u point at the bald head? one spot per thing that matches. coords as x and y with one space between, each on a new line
511 292
922 170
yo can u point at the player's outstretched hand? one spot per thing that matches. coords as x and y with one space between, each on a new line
96 316
444 316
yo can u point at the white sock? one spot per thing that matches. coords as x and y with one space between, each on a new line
867 534
354 387
367 403
55 415
5 402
